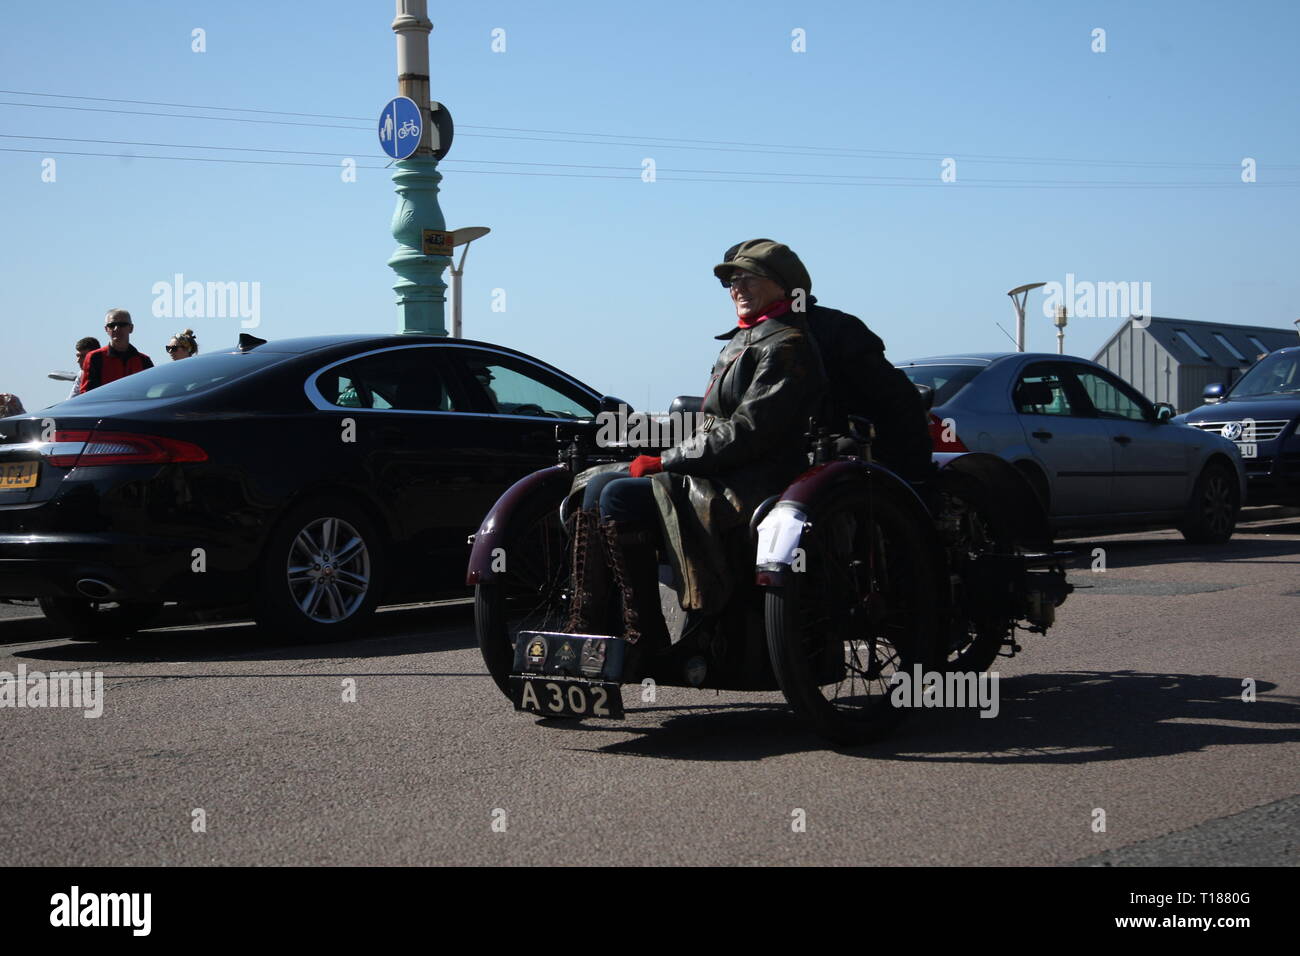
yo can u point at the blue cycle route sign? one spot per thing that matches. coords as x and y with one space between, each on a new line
400 127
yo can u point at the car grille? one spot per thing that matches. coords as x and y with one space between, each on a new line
1264 431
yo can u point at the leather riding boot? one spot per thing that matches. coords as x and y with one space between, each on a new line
592 583
635 568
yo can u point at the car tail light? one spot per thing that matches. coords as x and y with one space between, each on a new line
81 448
944 437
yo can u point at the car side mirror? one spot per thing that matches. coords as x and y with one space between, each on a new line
1213 393
927 396
1164 412
611 404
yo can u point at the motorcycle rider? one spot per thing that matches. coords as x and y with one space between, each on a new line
862 381
696 498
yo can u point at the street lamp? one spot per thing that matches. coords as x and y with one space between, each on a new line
461 237
1060 329
1023 292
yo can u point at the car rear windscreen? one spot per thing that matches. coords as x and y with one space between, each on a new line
182 378
946 380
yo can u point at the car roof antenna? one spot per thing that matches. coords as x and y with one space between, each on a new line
247 341
1002 330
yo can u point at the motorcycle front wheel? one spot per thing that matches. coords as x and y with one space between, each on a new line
530 593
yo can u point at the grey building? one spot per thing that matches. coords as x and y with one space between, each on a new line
1172 360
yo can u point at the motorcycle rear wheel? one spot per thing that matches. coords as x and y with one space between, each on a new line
976 643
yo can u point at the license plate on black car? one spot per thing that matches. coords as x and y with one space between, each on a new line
20 474
567 697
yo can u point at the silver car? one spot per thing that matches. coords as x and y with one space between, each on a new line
1100 455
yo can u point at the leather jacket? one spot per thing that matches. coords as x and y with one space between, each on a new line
766 384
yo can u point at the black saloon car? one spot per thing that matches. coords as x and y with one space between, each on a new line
1261 413
310 478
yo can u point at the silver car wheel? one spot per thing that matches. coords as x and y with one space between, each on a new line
328 570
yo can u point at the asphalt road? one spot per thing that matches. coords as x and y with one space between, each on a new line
1132 705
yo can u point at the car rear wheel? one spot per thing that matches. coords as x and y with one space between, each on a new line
1212 512
87 620
321 573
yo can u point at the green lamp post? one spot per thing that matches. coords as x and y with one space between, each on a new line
421 293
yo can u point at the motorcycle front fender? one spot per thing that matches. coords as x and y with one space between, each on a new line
522 503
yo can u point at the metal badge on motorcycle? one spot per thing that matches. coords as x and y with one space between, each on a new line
566 654
593 657
536 652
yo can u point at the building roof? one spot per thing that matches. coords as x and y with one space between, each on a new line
1193 342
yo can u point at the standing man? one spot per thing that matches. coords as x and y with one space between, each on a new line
118 359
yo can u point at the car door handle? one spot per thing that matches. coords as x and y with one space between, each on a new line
1122 439
1042 435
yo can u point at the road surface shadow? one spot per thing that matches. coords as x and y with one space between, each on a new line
712 732
392 632
1072 717
1090 716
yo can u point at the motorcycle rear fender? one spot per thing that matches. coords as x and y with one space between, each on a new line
1012 498
781 531
522 503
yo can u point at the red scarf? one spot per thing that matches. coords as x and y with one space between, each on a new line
780 307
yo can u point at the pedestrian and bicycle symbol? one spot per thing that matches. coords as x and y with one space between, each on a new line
400 127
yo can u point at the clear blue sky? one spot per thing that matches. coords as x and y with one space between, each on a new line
605 274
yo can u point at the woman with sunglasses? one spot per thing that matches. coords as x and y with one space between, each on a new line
183 345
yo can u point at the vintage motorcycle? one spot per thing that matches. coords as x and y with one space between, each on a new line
858 577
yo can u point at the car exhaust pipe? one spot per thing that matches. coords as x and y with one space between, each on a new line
96 589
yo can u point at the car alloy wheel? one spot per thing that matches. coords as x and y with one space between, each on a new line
328 570
1212 510
1217 504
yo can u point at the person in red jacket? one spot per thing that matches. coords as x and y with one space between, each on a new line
118 359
